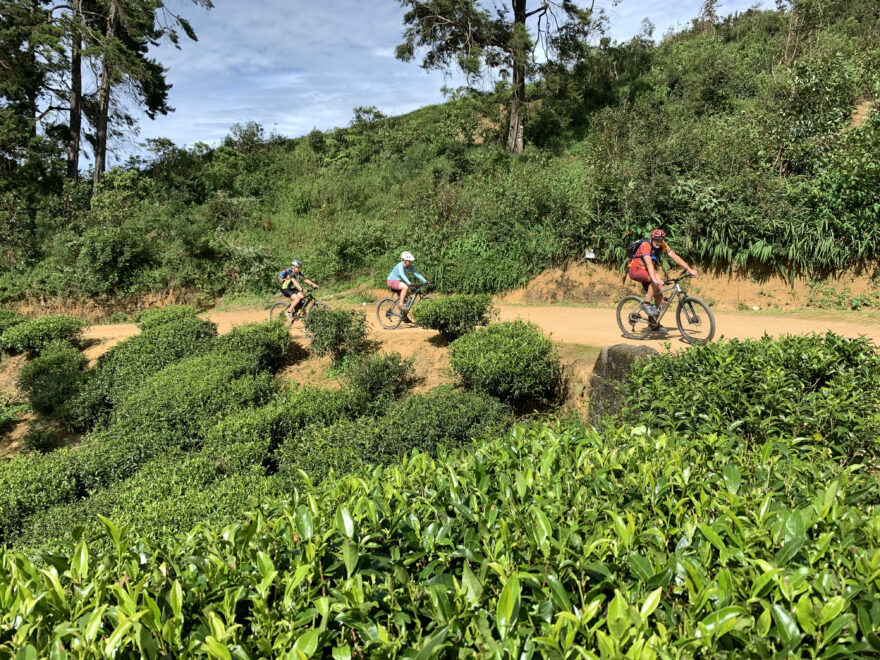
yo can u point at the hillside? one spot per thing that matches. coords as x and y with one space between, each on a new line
755 157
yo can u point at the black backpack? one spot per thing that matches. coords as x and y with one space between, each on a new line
633 248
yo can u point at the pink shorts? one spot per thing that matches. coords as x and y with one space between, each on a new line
394 285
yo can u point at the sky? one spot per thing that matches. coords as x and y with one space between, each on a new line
296 65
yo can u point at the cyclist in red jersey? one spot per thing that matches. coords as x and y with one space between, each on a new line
643 268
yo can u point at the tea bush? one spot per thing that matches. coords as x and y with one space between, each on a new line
9 318
376 379
152 318
125 366
512 361
336 332
53 378
33 335
31 483
558 540
445 417
247 439
186 398
267 343
824 388
455 315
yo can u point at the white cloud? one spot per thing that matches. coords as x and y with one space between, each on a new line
295 65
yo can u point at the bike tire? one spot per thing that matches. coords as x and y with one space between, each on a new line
387 314
631 329
699 322
277 310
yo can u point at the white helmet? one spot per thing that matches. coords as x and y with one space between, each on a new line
296 263
407 256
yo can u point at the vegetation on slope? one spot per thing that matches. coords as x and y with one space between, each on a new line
740 145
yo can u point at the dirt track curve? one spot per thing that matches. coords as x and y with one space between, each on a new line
577 325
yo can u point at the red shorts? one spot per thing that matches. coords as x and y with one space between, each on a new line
640 275
394 285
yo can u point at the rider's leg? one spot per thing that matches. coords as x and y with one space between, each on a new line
402 302
295 300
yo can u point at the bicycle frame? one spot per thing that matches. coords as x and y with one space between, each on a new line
679 293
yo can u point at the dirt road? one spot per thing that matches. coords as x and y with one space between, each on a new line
577 325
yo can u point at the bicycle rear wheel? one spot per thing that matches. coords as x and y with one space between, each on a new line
632 318
388 315
695 320
277 310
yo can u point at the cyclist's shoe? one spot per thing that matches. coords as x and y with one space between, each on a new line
288 314
407 319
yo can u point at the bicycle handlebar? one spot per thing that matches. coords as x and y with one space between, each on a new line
684 275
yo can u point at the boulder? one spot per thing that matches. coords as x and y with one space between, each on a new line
612 367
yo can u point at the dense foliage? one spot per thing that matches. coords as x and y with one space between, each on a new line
336 332
541 542
33 335
816 388
752 139
512 361
53 378
454 316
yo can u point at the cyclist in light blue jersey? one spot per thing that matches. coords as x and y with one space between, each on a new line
400 279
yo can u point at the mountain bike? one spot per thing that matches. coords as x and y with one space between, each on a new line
693 317
389 313
308 305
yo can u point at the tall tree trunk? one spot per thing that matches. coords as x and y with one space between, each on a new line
75 91
518 57
104 96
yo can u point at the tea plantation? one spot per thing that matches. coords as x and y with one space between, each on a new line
729 509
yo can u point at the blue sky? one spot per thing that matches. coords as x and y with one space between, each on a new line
295 65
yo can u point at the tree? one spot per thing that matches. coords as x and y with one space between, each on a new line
477 39
123 32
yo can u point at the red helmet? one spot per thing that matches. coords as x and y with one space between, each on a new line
658 233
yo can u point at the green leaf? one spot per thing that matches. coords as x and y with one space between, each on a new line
651 603
471 584
832 608
507 610
641 567
344 523
805 616
175 599
307 643
833 630
79 566
786 624
713 538
721 621
559 594
732 477
789 550
350 555
216 649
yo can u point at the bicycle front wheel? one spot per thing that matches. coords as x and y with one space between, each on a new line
632 318
277 310
695 321
388 315
311 309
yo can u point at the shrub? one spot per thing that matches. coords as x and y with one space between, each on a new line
445 417
344 446
455 315
152 318
186 398
512 361
53 378
821 387
39 438
376 379
266 343
336 332
32 483
125 366
249 438
9 318
33 335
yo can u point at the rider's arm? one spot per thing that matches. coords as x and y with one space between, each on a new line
652 272
309 282
419 275
681 262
